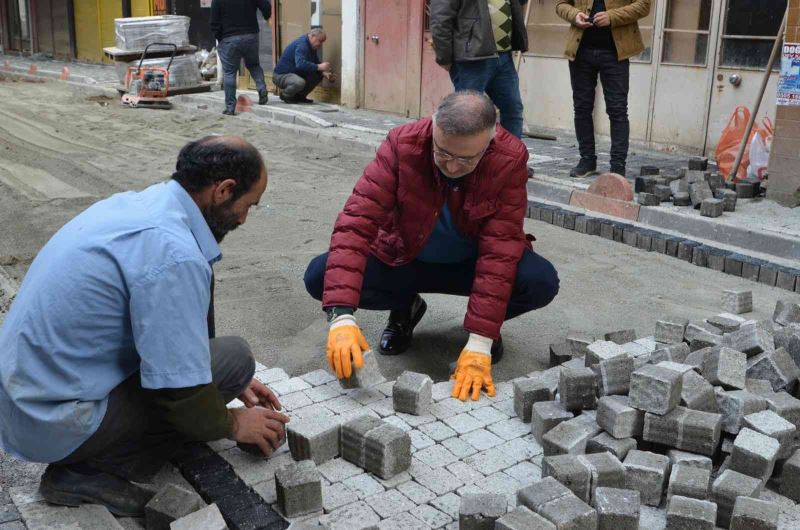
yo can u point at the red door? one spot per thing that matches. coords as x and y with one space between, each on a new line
436 82
385 55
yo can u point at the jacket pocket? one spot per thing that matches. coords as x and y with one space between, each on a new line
470 33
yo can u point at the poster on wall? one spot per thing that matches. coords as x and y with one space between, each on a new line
205 3
789 83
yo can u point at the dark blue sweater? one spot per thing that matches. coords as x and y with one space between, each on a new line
298 58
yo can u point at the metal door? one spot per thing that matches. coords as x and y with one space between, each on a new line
681 98
52 28
748 32
436 82
19 34
386 55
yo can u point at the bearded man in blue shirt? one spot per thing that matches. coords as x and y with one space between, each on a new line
108 361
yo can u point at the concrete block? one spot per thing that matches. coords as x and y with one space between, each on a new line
754 454
751 339
777 367
617 508
685 458
682 428
605 443
367 376
662 192
209 518
754 514
614 374
728 197
620 336
724 323
701 335
577 388
712 207
675 352
545 415
579 342
698 163
299 489
751 268
681 198
787 278
680 185
606 471
314 439
733 264
786 406
727 487
570 471
170 504
697 393
645 171
528 391
699 191
522 518
647 199
670 330
687 246
601 350
726 367
768 273
618 418
655 389
411 393
684 513
480 511
387 451
747 190
646 473
570 512
689 481
566 438
353 438
716 258
560 353
790 477
788 338
737 301
735 405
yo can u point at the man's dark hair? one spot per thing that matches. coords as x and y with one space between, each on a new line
464 113
215 158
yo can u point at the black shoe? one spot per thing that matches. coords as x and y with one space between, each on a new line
263 98
229 112
286 99
65 487
304 101
530 172
497 350
618 169
584 168
396 338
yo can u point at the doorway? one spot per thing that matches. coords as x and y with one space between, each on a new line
19 25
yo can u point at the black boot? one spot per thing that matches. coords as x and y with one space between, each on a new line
60 485
396 338
618 168
263 98
497 350
584 168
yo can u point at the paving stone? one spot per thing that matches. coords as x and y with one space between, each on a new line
367 376
289 386
570 471
604 442
271 375
768 273
654 389
355 516
488 415
299 489
482 439
577 388
684 513
387 451
617 508
323 393
670 330
674 352
570 512
726 367
751 339
524 448
566 438
697 393
619 419
689 481
560 353
754 454
712 207
365 396
436 456
389 503
698 192
463 423
459 447
646 473
448 504
786 313
400 424
8 512
771 424
788 338
498 482
402 521
480 511
354 437
412 393
208 518
509 429
431 516
602 349
614 374
338 469
318 378
684 458
735 405
785 406
777 367
526 473
726 488
490 461
754 514
529 391
686 429
521 518
724 324
437 431
317 439
170 504
579 342
363 485
545 415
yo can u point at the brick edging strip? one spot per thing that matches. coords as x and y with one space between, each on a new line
735 264
217 483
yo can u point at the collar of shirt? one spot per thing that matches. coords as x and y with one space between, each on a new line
197 223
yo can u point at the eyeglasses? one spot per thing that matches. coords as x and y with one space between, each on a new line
444 156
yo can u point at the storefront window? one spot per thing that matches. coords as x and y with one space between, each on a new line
547 32
750 30
686 31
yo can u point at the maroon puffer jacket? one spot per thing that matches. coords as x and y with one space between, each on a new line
395 206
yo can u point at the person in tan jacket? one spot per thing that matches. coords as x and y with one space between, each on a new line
603 36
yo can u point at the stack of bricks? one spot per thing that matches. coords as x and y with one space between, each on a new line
375 445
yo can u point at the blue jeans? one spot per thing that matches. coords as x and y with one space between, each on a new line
231 51
498 78
387 288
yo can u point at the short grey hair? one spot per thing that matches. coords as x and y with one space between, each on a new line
464 113
316 32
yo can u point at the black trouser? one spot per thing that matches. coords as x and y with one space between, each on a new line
132 442
614 75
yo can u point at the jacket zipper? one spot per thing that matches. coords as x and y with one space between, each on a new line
469 39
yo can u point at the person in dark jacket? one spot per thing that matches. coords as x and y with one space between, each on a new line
234 25
299 69
439 210
474 41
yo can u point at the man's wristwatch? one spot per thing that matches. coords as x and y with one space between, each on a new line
334 312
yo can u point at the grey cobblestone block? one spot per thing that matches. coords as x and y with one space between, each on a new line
751 339
271 375
726 488
318 377
698 192
509 429
670 330
570 471
614 374
768 273
617 508
208 518
490 461
387 451
570 513
431 516
355 516
289 386
751 267
689 481
299 489
482 439
663 192
170 504
619 419
724 323
646 473
675 352
790 477
412 393
735 405
630 234
367 376
448 504
712 207
435 456
402 521
480 511
8 512
323 393
784 405
317 439
787 278
604 442
726 367
353 438
389 503
462 423
654 389
521 518
684 458
545 415
729 198
777 367
754 514
365 396
459 447
647 199
566 438
528 391
760 387
682 428
440 481
770 424
754 454
684 513
620 336
338 469
526 473
363 485
577 388
437 431
560 353
336 495
697 393
488 415
579 342
789 339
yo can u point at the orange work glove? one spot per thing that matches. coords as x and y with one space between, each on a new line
474 369
345 344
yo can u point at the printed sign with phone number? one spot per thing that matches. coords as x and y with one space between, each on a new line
789 83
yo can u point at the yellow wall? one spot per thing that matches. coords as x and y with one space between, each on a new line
141 8
94 25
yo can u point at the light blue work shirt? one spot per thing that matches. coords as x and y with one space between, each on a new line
124 286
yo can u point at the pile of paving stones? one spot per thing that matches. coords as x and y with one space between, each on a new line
693 186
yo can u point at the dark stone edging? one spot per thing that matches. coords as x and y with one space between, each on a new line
217 483
735 264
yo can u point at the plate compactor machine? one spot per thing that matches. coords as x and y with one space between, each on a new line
148 86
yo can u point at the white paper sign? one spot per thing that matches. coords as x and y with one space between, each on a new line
789 83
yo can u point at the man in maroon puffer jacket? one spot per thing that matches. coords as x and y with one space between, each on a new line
439 210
